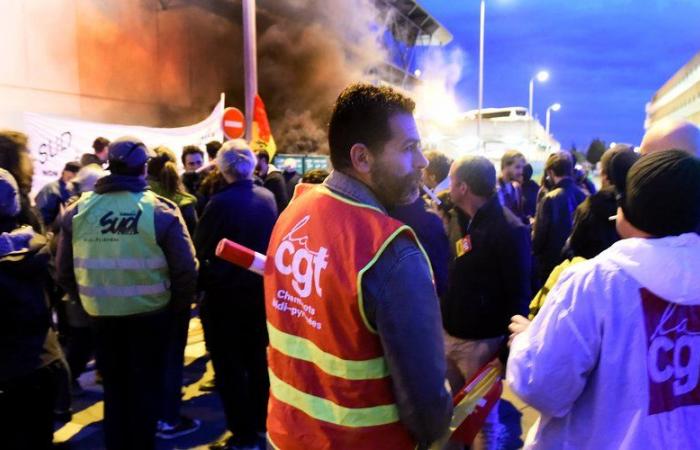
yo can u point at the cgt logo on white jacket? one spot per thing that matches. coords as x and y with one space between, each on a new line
294 257
673 353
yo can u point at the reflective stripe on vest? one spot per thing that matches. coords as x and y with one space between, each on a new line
322 409
123 291
121 263
304 349
119 267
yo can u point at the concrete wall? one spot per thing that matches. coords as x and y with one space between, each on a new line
118 61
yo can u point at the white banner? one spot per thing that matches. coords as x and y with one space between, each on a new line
54 141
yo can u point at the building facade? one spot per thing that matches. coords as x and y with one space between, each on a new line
679 97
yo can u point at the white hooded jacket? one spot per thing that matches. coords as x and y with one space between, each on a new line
612 361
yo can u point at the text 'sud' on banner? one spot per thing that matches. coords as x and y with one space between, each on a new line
54 141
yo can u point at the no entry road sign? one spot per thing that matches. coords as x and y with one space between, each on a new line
233 123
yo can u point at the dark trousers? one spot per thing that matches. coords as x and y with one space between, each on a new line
174 365
131 359
26 409
79 349
235 332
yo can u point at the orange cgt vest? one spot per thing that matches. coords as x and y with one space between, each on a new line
329 382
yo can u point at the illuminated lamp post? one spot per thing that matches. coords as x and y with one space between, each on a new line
541 76
555 107
482 19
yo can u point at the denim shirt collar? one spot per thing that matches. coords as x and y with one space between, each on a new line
353 189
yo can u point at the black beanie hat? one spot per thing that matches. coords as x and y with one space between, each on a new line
662 196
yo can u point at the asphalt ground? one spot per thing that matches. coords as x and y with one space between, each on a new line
84 431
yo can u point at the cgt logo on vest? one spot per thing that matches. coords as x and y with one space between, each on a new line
293 257
124 223
673 354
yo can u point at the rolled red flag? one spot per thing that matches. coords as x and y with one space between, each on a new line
241 256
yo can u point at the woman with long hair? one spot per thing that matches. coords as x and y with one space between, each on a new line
165 181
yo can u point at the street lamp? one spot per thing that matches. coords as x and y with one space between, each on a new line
482 19
541 76
555 107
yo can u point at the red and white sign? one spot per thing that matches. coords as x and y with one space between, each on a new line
673 354
233 123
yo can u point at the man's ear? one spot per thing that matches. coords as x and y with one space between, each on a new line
361 158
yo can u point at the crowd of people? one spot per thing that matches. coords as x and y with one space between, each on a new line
377 303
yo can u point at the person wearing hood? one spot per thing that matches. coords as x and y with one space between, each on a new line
272 179
126 254
29 349
613 358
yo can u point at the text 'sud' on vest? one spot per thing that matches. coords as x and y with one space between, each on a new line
119 267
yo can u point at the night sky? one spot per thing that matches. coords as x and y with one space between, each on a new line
606 58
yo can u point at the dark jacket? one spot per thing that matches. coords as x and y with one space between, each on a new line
192 181
171 236
530 190
511 196
431 234
27 341
401 304
50 199
291 179
241 212
491 282
553 223
274 182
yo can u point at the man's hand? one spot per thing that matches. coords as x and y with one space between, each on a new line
518 324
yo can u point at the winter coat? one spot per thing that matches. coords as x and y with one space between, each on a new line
241 212
490 281
612 361
274 182
431 233
51 198
553 224
27 341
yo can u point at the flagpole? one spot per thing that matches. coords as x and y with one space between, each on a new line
249 63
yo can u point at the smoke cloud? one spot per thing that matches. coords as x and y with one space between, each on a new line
308 51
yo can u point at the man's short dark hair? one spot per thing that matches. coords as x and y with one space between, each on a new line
478 173
315 176
100 144
190 150
361 116
263 155
438 165
560 164
72 166
510 157
213 148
